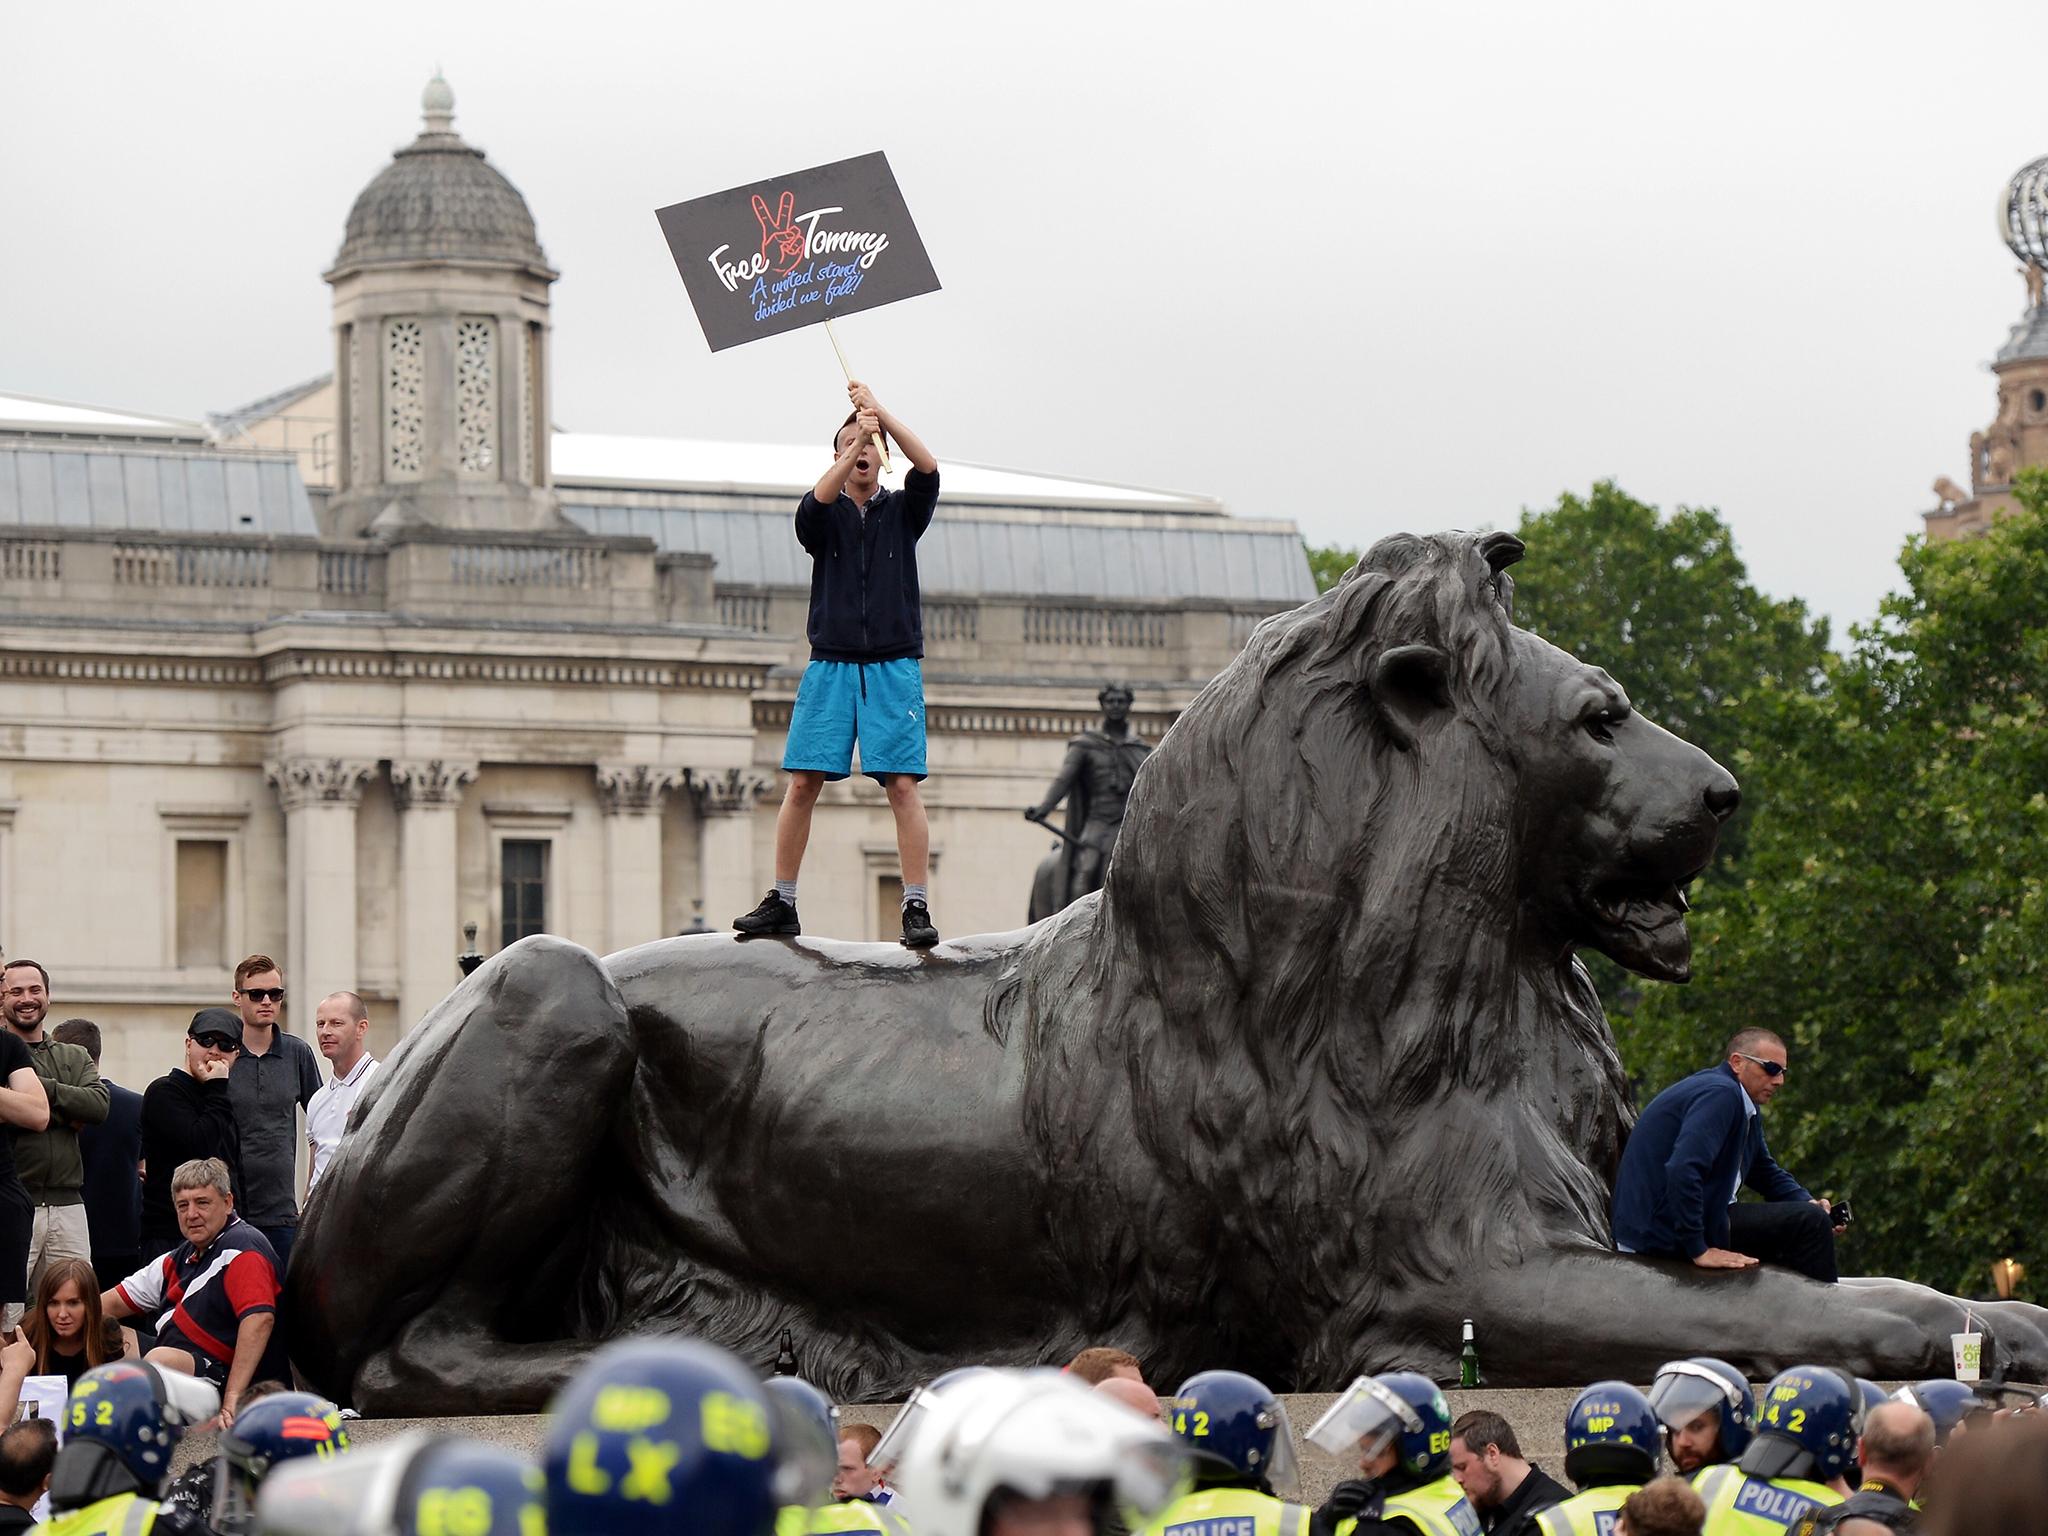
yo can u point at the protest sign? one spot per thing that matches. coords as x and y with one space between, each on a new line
775 255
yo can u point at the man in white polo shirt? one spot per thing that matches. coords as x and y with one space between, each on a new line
340 1025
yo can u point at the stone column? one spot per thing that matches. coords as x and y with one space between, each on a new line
630 796
429 922
320 795
725 800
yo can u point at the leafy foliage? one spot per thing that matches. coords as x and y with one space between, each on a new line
1888 918
1328 563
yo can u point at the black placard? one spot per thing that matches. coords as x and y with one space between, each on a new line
767 258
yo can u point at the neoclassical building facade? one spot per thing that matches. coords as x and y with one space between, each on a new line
381 656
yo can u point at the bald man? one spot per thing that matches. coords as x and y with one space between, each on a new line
1896 1450
1134 1395
342 1026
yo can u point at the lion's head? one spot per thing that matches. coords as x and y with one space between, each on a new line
1397 757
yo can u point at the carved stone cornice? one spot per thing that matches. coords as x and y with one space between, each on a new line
632 789
726 791
429 783
303 781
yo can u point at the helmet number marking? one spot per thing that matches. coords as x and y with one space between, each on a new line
1200 1427
453 1512
734 1426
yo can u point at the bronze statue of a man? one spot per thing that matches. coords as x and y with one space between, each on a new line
1095 781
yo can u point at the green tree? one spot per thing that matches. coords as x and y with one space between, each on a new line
1889 918
1328 563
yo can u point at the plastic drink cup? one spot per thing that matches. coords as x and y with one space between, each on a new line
1969 1348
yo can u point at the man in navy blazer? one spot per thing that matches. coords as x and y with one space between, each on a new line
1694 1148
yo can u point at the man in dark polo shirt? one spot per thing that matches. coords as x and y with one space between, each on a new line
274 1078
214 1295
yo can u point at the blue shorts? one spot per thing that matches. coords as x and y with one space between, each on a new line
880 704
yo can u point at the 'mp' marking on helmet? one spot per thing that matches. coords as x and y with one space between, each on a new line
626 1410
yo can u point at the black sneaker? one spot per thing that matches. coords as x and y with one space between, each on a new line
773 916
918 932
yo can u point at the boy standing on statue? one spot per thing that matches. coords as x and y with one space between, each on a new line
863 684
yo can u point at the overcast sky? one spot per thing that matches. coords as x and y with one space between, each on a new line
1368 267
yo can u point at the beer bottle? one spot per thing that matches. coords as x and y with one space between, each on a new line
1468 1360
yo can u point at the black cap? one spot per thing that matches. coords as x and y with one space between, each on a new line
217 1021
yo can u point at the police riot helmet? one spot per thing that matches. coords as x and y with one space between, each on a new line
662 1434
1237 1431
1402 1409
1685 1389
813 1419
417 1484
269 1432
1808 1426
1946 1402
121 1423
902 1429
1610 1436
1008 1436
1871 1393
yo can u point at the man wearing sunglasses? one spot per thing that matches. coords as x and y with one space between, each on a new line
187 1117
274 1078
1700 1141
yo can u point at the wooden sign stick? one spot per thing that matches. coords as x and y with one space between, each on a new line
880 446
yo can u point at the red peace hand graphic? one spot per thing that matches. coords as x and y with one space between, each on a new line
782 243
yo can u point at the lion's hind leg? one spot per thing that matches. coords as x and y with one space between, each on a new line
454 1209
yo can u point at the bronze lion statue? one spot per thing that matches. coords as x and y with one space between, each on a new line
1315 1076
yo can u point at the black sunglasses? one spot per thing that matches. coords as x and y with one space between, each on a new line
217 1043
1770 1068
264 994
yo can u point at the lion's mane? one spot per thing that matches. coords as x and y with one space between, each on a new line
1302 991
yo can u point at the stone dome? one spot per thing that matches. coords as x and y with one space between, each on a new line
440 200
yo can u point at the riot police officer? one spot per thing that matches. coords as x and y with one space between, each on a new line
121 1423
805 1405
666 1435
1806 1436
1237 1433
416 1485
1399 1429
1946 1402
1610 1450
1707 1412
1034 1453
274 1429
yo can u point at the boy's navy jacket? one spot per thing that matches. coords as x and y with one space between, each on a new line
1678 1173
865 604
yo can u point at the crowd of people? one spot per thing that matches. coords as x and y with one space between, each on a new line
156 1226
668 1435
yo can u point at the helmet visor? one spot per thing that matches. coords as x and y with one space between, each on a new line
807 1456
352 1495
1283 1474
234 1499
1366 1418
1683 1391
901 1431
1150 1475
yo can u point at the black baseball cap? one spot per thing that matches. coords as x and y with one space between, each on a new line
217 1021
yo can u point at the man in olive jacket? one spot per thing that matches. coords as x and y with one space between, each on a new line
51 1165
